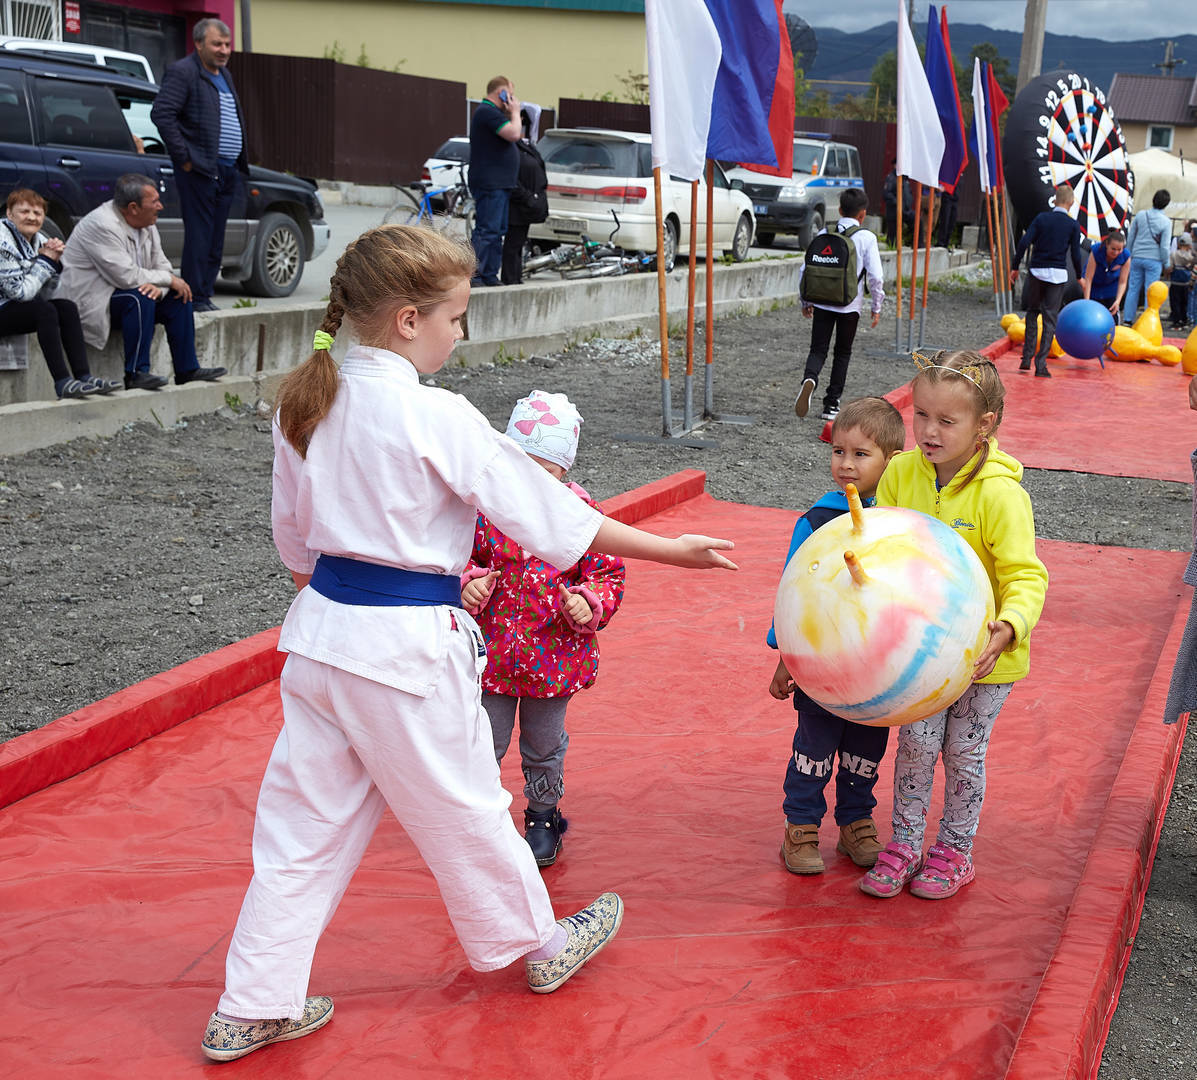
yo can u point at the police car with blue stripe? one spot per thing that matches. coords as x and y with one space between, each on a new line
822 169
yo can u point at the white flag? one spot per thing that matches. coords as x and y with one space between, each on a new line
981 125
920 135
683 60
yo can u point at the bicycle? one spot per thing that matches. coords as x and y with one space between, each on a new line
459 205
588 258
611 266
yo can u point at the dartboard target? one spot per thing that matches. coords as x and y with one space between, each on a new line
1060 130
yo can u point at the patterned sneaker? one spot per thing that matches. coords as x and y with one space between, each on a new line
946 871
589 931
227 1040
896 865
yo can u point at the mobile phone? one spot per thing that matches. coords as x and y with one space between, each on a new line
503 96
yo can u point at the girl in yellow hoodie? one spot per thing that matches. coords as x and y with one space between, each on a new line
959 475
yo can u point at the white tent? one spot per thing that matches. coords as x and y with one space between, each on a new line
1155 169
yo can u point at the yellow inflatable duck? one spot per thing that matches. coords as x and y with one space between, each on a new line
1148 323
1129 344
1016 331
1188 355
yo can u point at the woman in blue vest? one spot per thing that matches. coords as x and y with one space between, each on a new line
1107 271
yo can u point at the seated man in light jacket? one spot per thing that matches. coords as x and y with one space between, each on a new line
113 268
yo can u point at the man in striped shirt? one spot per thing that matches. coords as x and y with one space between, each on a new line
199 117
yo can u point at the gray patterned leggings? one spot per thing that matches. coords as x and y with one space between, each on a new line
961 733
542 742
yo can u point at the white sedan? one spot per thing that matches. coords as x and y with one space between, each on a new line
593 172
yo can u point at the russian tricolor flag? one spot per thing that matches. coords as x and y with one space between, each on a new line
721 85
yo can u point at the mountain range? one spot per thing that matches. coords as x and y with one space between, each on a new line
851 56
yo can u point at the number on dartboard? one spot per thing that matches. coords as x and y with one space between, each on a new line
1060 130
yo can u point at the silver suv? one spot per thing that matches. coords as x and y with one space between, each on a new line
822 169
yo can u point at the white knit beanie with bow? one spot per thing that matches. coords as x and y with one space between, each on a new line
547 426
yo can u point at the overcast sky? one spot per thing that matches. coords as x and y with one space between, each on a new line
1112 20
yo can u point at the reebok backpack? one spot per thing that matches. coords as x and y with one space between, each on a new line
829 269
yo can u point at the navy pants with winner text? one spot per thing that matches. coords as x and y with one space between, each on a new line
819 737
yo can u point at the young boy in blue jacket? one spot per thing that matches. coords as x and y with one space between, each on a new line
865 435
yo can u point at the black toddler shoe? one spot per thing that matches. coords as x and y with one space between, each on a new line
542 830
200 374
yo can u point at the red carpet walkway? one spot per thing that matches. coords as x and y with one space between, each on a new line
120 886
1130 419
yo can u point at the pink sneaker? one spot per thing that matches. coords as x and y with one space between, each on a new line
946 871
896 865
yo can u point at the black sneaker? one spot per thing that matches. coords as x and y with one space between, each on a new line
200 374
203 305
542 830
802 401
830 412
143 380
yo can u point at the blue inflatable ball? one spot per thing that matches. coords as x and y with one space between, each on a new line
1085 329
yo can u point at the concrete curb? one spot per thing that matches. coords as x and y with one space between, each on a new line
31 425
259 346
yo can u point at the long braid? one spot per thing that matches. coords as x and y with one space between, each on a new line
306 395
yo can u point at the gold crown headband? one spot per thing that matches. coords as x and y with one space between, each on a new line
970 371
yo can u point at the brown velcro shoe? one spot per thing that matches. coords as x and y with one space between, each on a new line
858 840
800 849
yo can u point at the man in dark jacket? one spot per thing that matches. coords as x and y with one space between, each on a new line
528 205
494 164
199 116
1053 237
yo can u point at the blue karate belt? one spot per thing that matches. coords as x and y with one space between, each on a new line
366 584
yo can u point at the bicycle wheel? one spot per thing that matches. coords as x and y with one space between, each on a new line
405 211
605 266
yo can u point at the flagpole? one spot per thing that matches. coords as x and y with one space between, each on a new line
898 272
999 252
662 319
708 397
914 261
1007 239
926 261
691 282
993 254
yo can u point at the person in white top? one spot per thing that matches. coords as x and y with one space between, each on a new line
842 320
378 480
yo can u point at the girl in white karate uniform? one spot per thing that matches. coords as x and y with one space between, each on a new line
377 483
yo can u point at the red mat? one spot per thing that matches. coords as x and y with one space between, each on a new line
1128 419
120 885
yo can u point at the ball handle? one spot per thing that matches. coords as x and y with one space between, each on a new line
859 577
855 508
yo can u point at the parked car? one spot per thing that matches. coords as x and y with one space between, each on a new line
593 171
440 168
127 63
66 131
822 167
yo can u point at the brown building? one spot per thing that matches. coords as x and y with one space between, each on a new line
1156 111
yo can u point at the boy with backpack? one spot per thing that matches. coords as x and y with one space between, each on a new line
831 286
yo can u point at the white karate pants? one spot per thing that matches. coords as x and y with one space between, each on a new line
348 747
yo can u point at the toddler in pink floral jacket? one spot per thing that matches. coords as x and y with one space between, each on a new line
540 626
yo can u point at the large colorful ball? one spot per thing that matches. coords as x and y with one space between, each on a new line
1085 329
881 622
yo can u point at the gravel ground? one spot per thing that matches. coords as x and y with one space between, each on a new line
123 557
